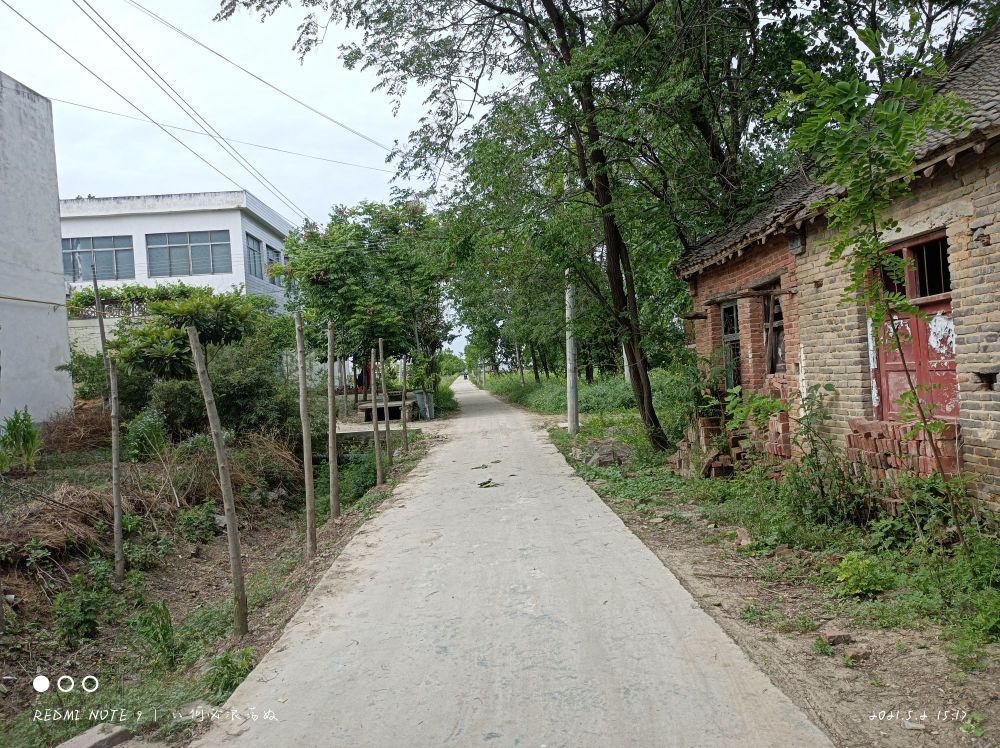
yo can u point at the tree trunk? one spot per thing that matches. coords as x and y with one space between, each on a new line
307 462
618 266
226 485
385 398
534 363
520 364
331 410
354 381
379 476
545 361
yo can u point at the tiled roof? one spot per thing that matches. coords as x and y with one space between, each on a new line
973 76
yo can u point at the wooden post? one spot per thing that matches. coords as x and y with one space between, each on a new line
343 378
572 403
116 474
331 409
116 464
379 477
307 458
225 483
354 381
385 398
406 438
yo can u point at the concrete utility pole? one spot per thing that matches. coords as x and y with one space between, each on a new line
572 408
307 459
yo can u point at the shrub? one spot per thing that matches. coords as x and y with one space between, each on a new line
227 670
197 524
87 370
444 399
862 576
145 436
76 612
181 403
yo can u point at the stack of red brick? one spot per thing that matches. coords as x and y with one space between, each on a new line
779 436
885 447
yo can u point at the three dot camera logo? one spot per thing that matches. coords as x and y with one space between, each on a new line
66 683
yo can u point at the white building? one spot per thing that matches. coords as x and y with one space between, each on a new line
33 332
222 240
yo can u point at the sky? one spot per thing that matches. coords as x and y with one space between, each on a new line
103 155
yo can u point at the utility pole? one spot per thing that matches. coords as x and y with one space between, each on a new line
307 459
572 410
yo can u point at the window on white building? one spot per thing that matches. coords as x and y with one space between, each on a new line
273 258
112 255
189 253
255 263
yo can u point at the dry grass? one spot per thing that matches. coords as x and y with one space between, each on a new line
86 426
60 521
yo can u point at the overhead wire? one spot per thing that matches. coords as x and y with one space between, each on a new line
231 140
174 95
267 83
120 95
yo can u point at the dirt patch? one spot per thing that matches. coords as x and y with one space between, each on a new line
882 688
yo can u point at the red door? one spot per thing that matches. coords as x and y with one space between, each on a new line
928 342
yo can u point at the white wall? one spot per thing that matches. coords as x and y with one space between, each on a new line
33 336
138 225
267 237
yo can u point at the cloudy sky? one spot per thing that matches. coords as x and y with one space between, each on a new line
102 155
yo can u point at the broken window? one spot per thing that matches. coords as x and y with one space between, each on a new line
731 344
774 332
930 261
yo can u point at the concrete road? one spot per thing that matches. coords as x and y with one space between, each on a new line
521 615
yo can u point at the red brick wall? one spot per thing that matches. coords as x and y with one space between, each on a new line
757 263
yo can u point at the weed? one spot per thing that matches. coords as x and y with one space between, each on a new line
76 611
145 436
227 670
755 614
197 524
20 440
803 623
862 576
157 637
847 661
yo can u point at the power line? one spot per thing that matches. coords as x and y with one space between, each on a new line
122 96
174 95
231 140
270 85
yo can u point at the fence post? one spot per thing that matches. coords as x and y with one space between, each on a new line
116 464
379 477
307 461
331 402
385 397
225 483
403 413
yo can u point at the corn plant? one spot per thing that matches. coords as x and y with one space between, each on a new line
19 438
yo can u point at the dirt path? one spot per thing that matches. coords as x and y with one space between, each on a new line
524 613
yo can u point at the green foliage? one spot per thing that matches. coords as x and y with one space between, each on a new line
197 524
76 611
20 441
862 575
157 637
132 296
822 647
449 364
87 370
145 436
444 400
227 670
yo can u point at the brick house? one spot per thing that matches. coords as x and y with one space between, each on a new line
768 303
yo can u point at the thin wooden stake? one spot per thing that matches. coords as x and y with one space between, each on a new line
406 438
343 378
331 403
379 477
226 484
116 479
385 397
307 457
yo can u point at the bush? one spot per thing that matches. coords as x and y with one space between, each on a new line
227 670
862 576
182 405
444 399
197 524
76 611
145 436
87 370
